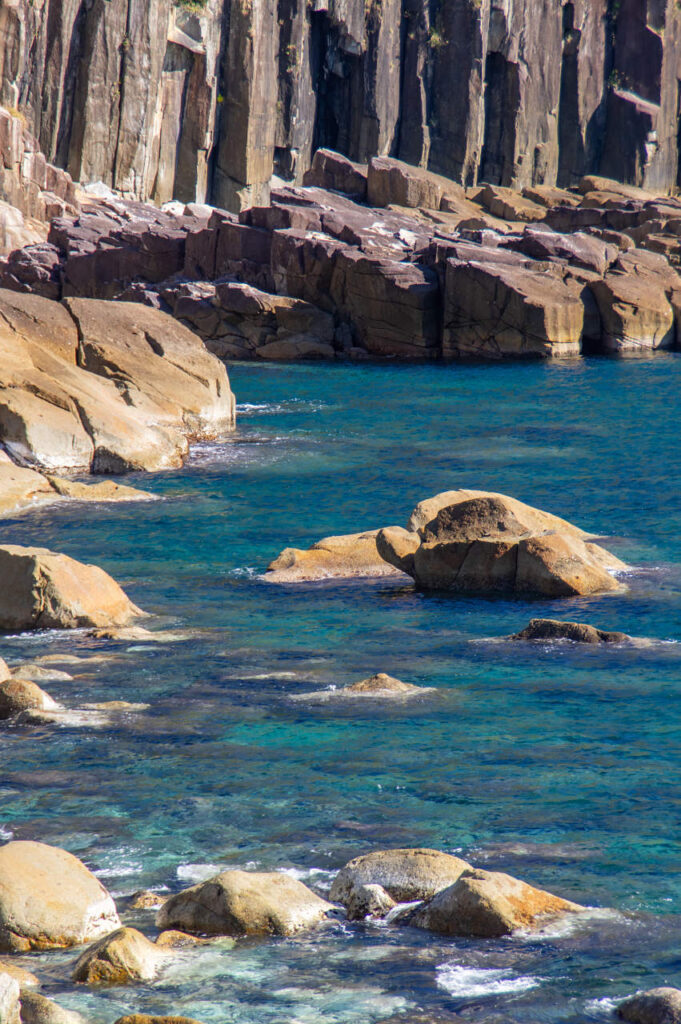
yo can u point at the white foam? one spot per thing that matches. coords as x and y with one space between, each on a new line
197 872
568 924
479 981
601 1008
5 833
309 874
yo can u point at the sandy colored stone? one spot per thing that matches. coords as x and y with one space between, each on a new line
143 1018
532 519
25 978
405 874
244 903
40 673
9 999
492 543
138 634
45 590
49 900
118 959
146 899
377 687
174 939
635 312
17 695
5 671
37 1009
577 632
103 490
489 904
656 1006
368 901
348 555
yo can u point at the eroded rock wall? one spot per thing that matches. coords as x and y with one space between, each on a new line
208 99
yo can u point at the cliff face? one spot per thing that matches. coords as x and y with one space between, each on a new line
207 99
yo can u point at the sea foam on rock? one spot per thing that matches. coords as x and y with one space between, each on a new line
49 900
405 874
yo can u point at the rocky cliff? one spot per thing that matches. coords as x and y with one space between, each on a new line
208 99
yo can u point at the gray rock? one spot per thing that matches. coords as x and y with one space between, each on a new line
656 1006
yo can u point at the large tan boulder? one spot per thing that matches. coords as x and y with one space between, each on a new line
349 555
49 900
490 543
635 312
656 1006
9 999
531 519
488 904
17 695
122 957
45 590
104 386
244 903
406 875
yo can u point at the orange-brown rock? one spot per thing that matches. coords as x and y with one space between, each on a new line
118 959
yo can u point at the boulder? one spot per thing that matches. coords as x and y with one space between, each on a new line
395 183
45 590
5 672
405 875
352 554
577 632
25 978
334 171
368 901
635 311
244 903
376 687
531 519
18 695
491 543
36 1009
173 939
509 205
40 673
49 900
656 1006
146 899
124 956
9 1000
488 904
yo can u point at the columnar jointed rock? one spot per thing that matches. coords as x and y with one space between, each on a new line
493 543
49 900
488 904
406 875
244 903
44 590
124 956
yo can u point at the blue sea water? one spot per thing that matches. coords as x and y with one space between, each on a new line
556 763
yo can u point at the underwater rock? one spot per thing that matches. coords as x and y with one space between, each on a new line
124 956
143 1018
406 875
46 590
656 1006
494 543
244 903
17 695
578 632
488 904
348 555
49 900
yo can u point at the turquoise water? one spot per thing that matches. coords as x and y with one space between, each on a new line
557 764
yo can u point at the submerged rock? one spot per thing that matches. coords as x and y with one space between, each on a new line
656 1006
494 543
353 554
244 903
36 1009
488 904
45 590
174 939
143 1018
578 632
377 687
405 875
124 956
49 900
40 673
17 695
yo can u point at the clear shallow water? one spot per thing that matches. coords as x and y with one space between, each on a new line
558 764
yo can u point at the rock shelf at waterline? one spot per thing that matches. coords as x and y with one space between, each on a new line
470 542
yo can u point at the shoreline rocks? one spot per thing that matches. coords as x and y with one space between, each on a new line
345 556
376 687
404 874
656 1006
122 957
46 590
49 900
244 903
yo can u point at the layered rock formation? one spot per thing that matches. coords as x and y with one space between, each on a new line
429 271
210 99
